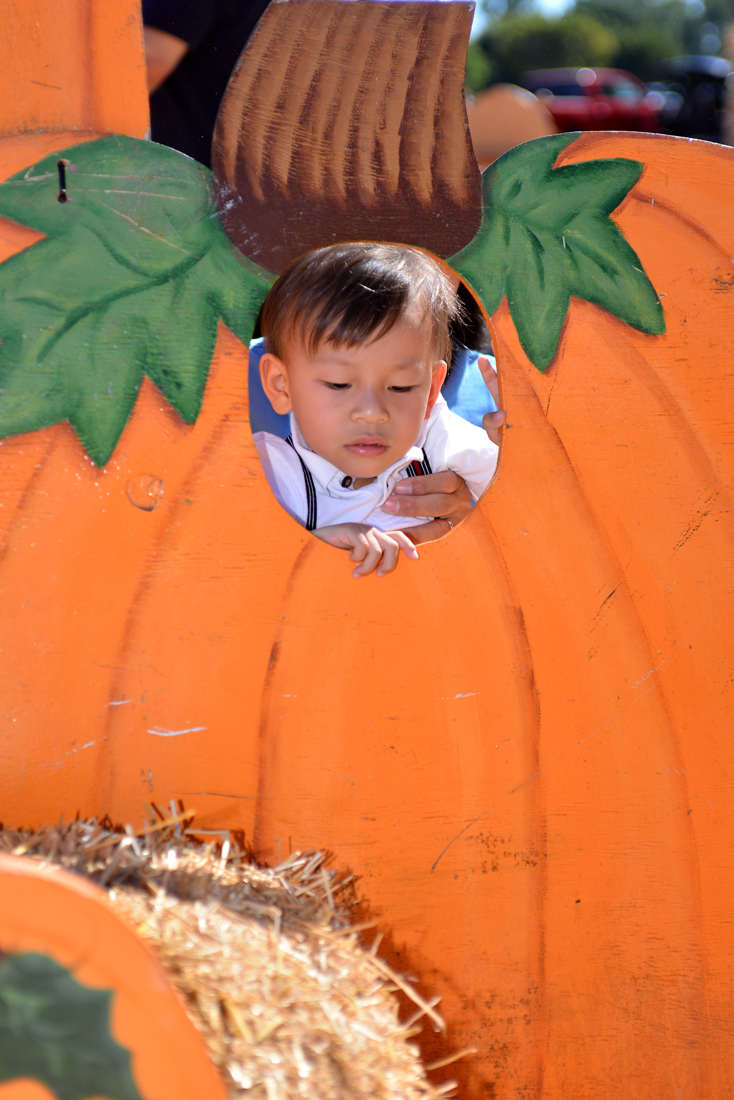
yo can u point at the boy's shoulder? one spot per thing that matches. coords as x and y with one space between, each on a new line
272 444
283 470
277 454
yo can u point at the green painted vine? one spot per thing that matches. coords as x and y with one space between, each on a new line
547 236
135 272
131 279
55 1030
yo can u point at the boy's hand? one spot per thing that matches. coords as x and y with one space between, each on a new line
374 550
492 421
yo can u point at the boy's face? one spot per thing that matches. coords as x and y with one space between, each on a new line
361 407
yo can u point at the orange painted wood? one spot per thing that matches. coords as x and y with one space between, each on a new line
25 1089
72 66
539 709
60 915
521 743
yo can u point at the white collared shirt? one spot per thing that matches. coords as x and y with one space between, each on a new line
449 442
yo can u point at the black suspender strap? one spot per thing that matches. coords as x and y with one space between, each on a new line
311 508
416 468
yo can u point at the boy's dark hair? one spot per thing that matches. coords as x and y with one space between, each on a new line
350 293
469 329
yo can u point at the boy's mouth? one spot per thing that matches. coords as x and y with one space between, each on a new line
367 447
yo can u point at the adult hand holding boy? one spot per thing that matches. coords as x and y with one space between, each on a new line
444 494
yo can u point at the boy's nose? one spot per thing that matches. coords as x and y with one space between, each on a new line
369 408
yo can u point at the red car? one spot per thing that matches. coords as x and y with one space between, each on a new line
596 99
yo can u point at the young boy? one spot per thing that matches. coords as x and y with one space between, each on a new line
358 339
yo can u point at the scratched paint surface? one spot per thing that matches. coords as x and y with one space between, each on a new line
85 311
521 743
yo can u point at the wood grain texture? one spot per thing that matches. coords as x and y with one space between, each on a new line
521 743
72 66
346 121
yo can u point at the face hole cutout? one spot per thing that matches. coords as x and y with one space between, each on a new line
363 391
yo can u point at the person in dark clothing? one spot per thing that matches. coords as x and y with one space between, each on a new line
191 48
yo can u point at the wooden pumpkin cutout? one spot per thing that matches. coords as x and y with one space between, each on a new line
521 742
76 67
87 1010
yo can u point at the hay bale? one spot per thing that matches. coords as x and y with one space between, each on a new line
288 1002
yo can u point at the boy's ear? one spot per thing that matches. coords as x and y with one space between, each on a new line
438 377
274 378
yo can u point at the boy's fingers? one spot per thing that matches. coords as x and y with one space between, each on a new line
360 548
405 544
370 558
390 551
392 544
380 550
492 423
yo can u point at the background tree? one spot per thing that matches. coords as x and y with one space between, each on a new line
516 43
627 34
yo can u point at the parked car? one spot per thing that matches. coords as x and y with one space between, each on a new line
596 99
695 96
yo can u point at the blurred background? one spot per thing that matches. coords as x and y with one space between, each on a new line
650 65
534 67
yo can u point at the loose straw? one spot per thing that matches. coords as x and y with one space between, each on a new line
288 1002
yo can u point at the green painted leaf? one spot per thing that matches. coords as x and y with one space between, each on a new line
132 278
57 1031
547 235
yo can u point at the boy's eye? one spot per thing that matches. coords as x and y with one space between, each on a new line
401 389
337 385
